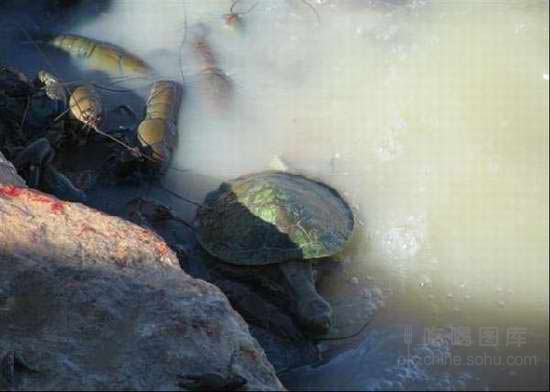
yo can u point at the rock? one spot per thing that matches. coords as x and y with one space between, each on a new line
49 14
24 110
8 174
93 302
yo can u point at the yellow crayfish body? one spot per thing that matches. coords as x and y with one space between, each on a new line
158 130
102 56
85 105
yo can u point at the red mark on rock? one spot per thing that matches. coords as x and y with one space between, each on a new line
13 191
163 248
10 191
55 205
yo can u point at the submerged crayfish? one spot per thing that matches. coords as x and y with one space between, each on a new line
102 56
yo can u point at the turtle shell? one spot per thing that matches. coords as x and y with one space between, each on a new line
273 217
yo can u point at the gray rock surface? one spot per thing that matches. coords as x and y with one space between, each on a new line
92 301
8 174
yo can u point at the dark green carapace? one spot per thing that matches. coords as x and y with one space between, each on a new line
273 217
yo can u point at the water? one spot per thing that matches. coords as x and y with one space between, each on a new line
431 117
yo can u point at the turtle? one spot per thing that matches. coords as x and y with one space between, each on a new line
283 220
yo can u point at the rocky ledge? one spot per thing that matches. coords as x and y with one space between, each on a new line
90 301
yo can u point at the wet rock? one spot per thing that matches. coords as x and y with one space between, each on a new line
50 14
25 113
14 83
28 135
92 301
8 174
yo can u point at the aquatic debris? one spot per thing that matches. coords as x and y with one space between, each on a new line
53 87
280 164
235 19
313 9
144 211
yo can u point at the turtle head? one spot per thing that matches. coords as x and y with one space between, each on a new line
315 316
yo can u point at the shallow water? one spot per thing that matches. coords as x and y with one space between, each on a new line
431 118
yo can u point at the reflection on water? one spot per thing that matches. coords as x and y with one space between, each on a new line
431 117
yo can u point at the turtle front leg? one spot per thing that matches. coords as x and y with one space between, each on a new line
313 312
255 310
